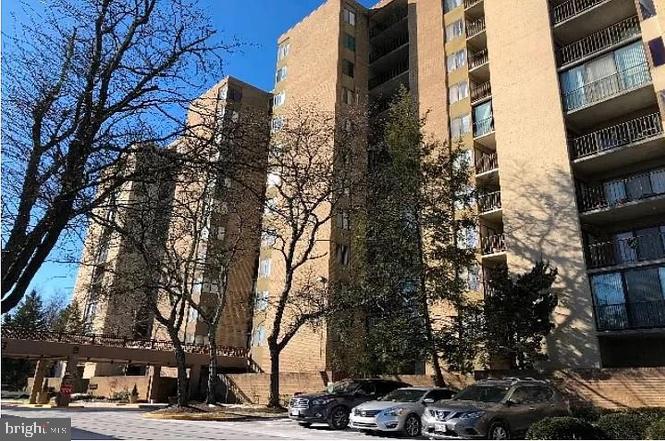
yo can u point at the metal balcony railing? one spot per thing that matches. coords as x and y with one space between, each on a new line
478 59
620 191
483 127
398 70
620 251
469 3
611 85
572 8
394 18
493 244
598 41
475 27
630 315
379 52
619 135
480 91
489 201
486 162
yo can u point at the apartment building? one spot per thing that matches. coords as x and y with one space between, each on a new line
560 105
194 220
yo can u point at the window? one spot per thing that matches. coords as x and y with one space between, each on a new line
467 238
449 5
647 9
342 254
349 16
279 99
350 42
264 268
283 50
439 394
234 94
348 68
464 160
472 277
259 336
454 30
268 238
458 92
657 50
280 74
456 61
261 301
348 96
460 126
277 123
344 220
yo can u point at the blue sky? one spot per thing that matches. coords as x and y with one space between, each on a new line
257 23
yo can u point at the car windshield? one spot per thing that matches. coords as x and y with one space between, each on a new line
404 395
342 387
487 394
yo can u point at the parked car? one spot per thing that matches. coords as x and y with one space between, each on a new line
398 411
9 392
493 409
333 405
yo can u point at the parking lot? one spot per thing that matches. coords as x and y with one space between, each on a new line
89 423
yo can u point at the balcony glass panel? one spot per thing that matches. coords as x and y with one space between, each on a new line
630 300
483 122
605 76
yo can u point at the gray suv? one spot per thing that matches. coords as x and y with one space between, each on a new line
493 409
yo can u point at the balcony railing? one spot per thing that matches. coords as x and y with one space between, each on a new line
478 59
489 201
607 87
620 191
630 315
483 127
394 18
493 244
625 133
469 3
480 91
486 162
571 8
475 27
387 76
388 47
598 41
622 251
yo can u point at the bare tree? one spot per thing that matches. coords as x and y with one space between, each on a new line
318 159
88 83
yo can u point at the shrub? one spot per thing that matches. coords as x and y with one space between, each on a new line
586 412
625 425
562 428
656 430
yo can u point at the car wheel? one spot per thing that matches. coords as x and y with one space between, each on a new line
305 425
339 418
498 430
412 426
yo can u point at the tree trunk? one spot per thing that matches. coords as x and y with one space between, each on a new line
436 364
183 381
211 398
273 401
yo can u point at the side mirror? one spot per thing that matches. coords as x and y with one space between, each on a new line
428 400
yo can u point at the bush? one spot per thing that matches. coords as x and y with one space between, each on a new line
625 425
562 428
656 430
586 412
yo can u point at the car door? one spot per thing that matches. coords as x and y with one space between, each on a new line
517 412
537 404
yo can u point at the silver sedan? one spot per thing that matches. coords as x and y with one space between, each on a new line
398 411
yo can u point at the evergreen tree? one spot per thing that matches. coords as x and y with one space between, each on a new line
518 312
70 320
29 316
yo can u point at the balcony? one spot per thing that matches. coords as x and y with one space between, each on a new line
575 19
492 245
387 48
572 8
638 139
483 127
478 59
475 32
468 4
486 162
400 69
489 202
393 18
480 92
622 32
626 251
630 315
